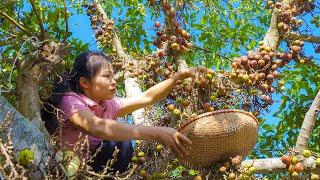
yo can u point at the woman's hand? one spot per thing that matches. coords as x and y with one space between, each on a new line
173 139
190 72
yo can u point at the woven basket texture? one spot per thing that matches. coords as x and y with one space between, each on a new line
217 136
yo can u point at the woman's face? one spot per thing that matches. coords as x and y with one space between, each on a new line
102 86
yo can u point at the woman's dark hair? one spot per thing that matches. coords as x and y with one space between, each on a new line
85 65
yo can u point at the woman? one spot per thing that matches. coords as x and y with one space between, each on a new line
89 107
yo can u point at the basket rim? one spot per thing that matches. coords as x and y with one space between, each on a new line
183 125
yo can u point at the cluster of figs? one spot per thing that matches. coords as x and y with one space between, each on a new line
295 166
260 69
171 40
102 27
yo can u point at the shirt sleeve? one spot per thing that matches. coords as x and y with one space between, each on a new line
114 105
71 104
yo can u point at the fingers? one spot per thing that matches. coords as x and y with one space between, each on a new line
184 139
176 149
181 141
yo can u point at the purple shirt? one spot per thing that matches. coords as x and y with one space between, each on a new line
71 103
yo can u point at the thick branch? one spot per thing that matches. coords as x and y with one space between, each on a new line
16 23
42 32
272 37
275 165
303 37
131 85
308 124
115 39
25 134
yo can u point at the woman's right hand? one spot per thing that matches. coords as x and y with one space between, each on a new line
173 139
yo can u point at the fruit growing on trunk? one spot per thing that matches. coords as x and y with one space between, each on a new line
298 167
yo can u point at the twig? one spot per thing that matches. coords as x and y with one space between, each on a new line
42 32
20 26
4 152
66 19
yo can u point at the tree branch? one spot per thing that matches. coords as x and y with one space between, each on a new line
42 32
303 37
20 26
131 85
308 124
272 37
275 165
66 19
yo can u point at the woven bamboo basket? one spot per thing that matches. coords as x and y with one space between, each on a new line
217 136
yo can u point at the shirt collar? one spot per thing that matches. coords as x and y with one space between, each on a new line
92 103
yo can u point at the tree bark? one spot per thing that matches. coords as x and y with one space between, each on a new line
275 165
24 133
132 87
303 37
272 37
308 124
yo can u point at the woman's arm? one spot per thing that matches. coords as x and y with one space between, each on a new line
153 94
114 131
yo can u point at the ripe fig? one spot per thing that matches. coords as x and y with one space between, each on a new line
270 77
197 177
222 169
184 33
189 45
157 24
170 107
274 66
206 105
174 46
261 63
161 54
176 24
298 167
167 6
232 176
286 159
252 77
295 48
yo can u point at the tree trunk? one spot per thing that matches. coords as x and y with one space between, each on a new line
308 124
24 133
28 100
